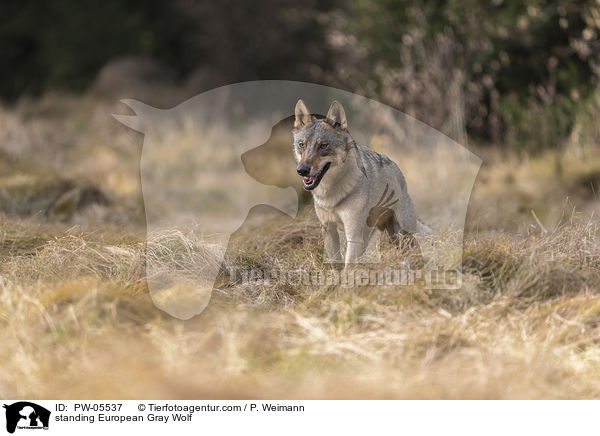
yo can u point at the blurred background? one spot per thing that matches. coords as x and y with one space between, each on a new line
511 80
512 74
519 78
505 72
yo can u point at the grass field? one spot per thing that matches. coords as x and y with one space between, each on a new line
77 320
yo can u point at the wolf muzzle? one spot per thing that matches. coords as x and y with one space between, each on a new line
311 182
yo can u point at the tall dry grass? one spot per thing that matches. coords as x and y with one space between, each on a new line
77 320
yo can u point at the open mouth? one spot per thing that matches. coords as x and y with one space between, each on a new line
311 183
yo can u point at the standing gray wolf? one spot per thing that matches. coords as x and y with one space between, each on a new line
355 190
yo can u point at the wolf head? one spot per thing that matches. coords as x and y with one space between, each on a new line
320 145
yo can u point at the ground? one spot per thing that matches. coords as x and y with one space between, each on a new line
77 320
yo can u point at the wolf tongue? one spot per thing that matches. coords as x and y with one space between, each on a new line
309 180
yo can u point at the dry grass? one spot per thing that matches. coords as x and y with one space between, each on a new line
77 321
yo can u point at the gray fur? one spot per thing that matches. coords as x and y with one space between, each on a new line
361 194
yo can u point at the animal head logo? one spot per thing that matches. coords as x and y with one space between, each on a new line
208 163
25 414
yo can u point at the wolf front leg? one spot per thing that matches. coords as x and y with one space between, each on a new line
354 250
355 243
331 236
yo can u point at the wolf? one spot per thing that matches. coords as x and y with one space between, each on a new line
355 190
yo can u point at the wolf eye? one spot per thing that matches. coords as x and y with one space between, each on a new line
323 146
301 145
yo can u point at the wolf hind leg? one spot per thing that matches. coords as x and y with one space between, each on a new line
404 242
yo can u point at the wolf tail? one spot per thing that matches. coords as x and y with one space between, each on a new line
423 228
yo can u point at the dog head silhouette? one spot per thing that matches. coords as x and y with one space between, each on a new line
30 411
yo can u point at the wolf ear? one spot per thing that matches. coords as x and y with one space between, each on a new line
336 115
303 117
